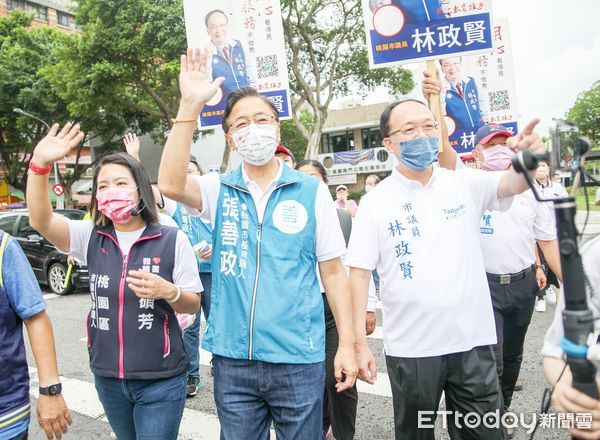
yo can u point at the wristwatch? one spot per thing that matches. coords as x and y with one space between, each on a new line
51 390
540 266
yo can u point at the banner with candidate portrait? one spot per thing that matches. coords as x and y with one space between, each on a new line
247 44
479 89
408 31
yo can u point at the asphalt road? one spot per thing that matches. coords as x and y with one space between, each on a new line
374 419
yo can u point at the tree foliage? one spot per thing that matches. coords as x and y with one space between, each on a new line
586 113
327 57
123 67
23 54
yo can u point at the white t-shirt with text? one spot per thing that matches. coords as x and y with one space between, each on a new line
424 243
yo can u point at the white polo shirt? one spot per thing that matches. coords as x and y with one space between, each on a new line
330 242
508 238
425 245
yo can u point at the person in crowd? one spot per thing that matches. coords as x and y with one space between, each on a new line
509 239
371 182
266 319
284 153
342 201
196 230
548 189
21 302
400 228
565 398
339 409
141 273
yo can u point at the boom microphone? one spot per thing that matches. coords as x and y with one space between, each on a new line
135 212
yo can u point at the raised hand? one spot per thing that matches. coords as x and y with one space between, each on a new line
195 85
132 145
527 139
56 145
431 85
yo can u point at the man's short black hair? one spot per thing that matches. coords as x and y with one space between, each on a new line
384 120
241 93
215 11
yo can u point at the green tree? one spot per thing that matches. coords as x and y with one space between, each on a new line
123 67
23 53
291 136
586 113
327 57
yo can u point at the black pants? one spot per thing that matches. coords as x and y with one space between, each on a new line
469 381
339 409
513 306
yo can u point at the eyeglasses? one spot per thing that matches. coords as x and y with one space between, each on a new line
218 27
258 119
427 128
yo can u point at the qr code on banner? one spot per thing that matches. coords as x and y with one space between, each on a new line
499 100
267 66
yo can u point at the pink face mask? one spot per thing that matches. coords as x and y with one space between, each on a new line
117 203
497 158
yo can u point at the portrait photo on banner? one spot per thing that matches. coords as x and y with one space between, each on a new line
247 49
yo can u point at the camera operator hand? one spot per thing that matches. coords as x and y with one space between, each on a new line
567 399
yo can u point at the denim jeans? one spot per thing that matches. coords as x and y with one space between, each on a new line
191 335
251 394
143 409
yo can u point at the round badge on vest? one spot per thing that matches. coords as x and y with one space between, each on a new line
290 217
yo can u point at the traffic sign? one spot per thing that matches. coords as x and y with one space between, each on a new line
58 190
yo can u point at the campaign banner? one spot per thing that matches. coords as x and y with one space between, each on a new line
479 89
407 31
247 44
353 157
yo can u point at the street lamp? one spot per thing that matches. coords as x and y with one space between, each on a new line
60 200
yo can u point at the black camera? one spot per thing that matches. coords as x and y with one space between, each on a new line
567 146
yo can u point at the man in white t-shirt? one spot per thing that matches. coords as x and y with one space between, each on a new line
418 228
508 240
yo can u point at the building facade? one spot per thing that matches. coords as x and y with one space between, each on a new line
351 146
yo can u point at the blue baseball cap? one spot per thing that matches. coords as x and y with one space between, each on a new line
488 131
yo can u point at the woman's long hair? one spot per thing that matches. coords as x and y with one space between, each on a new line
146 204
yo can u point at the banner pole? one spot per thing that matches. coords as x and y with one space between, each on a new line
435 104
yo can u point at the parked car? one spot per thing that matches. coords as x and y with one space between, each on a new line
49 265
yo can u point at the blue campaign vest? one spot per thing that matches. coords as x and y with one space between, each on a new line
415 11
128 337
236 73
196 230
465 112
266 303
14 376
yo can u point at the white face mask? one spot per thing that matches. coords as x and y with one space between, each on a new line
256 143
368 188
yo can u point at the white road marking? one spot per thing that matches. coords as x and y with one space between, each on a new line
81 397
48 296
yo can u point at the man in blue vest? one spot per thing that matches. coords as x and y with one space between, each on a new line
21 302
228 58
273 227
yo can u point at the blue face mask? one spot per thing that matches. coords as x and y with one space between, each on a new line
419 154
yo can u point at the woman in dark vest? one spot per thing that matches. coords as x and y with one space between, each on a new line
141 273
